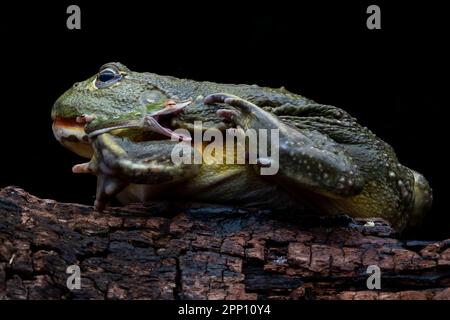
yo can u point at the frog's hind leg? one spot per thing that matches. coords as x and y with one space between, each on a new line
313 163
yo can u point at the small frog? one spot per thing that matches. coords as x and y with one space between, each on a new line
125 122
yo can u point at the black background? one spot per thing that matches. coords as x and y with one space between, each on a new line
394 80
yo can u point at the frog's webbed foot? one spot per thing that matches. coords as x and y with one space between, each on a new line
107 187
107 184
118 161
313 162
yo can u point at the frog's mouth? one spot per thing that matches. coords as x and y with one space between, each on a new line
71 135
72 132
153 122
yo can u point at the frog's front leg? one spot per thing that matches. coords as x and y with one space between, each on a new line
118 161
319 165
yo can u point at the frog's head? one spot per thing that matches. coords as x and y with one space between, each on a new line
113 97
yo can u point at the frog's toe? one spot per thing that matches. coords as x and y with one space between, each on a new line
217 98
86 167
85 119
107 188
231 100
99 205
228 114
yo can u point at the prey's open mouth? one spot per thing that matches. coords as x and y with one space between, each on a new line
75 134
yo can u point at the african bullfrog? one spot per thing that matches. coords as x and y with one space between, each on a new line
127 123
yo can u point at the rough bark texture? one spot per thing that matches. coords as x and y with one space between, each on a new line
191 251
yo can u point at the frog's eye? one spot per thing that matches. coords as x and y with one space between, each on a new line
107 77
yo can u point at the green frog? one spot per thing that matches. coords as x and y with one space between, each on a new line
128 124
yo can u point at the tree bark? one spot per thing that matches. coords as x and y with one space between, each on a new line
165 250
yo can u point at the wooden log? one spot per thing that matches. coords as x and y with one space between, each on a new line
165 250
